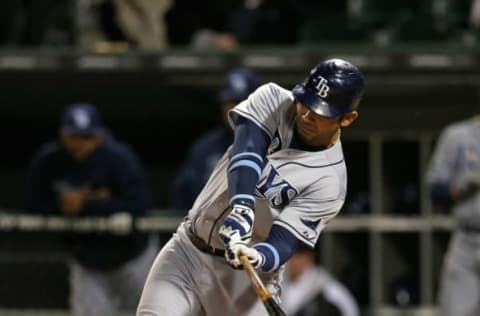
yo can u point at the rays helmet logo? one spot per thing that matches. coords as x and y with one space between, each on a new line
278 191
322 87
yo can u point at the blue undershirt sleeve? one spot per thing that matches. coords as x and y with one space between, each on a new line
247 159
277 248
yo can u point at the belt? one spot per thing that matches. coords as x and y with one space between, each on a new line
201 245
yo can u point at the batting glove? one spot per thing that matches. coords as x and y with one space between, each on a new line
234 250
238 225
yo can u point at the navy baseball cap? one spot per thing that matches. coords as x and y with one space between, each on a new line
81 119
238 84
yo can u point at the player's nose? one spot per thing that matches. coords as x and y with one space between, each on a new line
306 115
304 112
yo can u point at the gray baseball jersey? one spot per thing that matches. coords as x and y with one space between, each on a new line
457 155
299 190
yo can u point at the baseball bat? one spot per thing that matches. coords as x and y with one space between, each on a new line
265 296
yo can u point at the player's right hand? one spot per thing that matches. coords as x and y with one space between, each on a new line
238 225
235 250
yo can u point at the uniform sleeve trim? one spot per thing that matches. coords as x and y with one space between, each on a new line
241 196
309 166
246 163
291 229
274 251
247 154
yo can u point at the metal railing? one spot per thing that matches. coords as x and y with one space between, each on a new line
159 222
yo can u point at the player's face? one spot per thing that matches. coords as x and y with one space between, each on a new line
81 146
317 130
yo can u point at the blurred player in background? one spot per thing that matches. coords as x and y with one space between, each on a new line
208 149
309 290
277 186
88 173
454 178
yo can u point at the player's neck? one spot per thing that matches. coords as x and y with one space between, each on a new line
317 144
327 141
335 137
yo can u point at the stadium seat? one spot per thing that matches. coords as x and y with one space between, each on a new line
328 21
402 21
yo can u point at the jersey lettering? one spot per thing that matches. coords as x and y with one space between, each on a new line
278 191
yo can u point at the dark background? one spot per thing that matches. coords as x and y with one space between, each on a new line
160 113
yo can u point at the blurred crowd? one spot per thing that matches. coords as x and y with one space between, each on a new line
118 25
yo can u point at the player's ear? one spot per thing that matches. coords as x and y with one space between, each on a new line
348 118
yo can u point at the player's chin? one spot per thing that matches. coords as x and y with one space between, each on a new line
305 133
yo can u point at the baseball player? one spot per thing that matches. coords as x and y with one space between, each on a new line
310 290
278 185
88 172
454 178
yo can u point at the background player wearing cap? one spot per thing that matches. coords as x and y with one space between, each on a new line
89 173
208 149
278 185
309 290
454 178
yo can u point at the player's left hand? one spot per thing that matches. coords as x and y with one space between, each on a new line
238 225
72 201
235 250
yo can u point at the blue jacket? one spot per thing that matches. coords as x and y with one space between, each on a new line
112 166
201 160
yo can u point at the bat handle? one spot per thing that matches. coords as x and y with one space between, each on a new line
260 288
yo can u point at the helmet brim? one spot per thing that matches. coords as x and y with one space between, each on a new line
316 104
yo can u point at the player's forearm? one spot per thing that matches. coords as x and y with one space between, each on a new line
277 249
247 159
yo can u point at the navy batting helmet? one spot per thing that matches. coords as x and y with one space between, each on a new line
334 87
238 84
